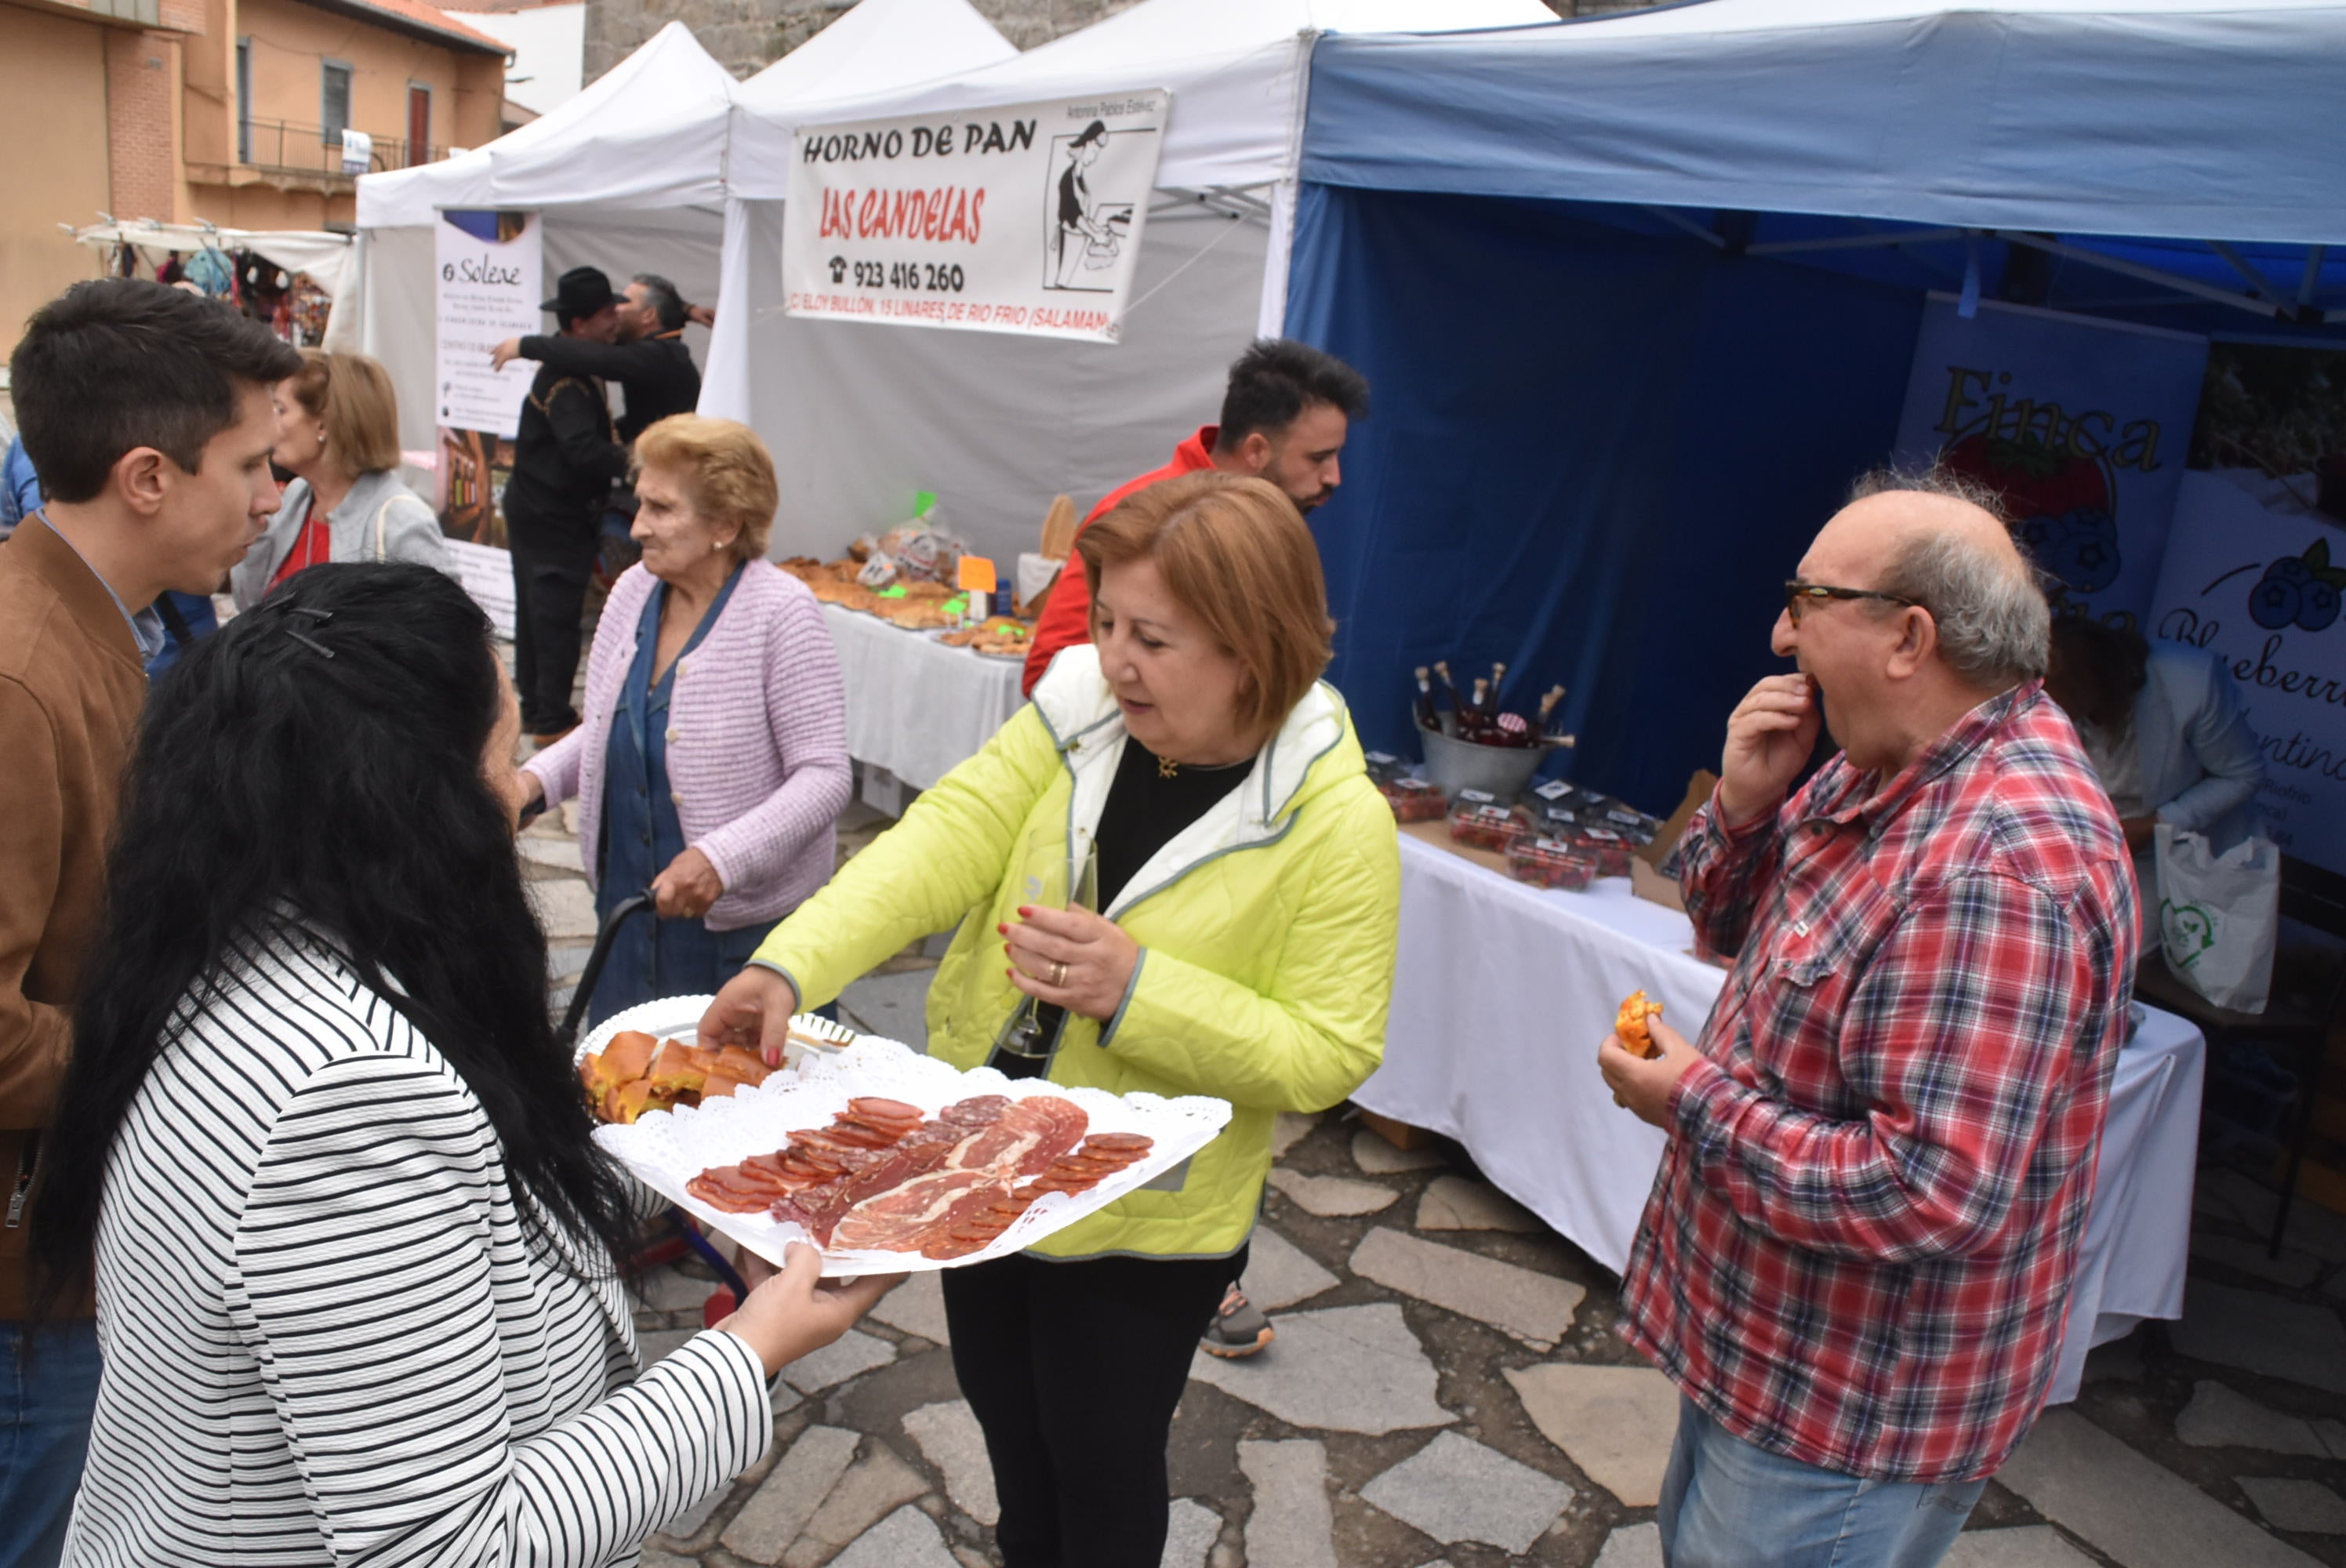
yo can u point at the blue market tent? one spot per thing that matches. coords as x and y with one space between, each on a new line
1639 296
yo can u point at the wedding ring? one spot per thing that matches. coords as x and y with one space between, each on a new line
1058 971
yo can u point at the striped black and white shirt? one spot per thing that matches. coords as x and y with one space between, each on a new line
327 1338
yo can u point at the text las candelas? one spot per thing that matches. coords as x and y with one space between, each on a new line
944 213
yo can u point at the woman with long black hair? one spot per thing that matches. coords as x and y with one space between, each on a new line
353 1247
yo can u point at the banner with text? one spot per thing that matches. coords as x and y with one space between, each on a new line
488 289
1025 219
2080 424
2255 575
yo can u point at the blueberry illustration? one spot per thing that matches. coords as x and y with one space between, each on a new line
2319 606
2088 521
2088 566
2275 602
2289 569
2080 547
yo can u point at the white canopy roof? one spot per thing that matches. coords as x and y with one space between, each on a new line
879 48
1235 68
648 134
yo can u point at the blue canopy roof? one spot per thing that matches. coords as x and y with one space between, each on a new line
2192 118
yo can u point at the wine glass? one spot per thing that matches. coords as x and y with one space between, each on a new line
1058 874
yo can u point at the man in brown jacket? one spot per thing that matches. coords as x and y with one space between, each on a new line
146 412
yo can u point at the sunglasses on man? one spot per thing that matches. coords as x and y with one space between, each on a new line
1799 595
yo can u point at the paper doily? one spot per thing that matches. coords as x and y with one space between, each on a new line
666 1150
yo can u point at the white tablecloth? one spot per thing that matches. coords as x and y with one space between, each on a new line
915 706
1505 989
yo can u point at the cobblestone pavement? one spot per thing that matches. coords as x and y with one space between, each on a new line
1447 1390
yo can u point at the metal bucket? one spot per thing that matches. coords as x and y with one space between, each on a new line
1451 764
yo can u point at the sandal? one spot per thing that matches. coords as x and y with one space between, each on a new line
1238 1327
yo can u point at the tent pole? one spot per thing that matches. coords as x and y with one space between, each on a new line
1678 220
2313 258
2134 269
2258 284
1855 241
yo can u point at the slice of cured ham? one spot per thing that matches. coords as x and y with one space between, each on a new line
881 1179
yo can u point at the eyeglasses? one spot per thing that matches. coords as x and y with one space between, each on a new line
1799 594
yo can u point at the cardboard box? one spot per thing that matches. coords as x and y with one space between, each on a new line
1400 1135
1652 886
1646 878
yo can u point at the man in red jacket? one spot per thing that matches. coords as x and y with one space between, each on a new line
1284 419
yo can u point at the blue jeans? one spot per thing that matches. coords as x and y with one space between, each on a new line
1727 1503
46 1401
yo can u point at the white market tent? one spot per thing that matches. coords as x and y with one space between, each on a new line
628 176
860 416
877 46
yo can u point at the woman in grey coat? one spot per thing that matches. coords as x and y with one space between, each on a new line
338 434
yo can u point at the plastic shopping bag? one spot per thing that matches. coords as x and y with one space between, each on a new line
2219 916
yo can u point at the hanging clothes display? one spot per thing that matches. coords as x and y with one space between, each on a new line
210 271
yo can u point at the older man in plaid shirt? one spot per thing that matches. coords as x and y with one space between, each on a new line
1856 1261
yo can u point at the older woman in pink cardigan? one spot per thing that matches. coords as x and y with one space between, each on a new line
712 760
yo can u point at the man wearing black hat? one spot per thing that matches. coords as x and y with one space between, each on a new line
657 378
566 458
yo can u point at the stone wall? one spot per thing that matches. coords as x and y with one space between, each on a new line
747 35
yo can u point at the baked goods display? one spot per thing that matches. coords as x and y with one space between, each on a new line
915 614
917 604
639 1073
1001 636
1629 1025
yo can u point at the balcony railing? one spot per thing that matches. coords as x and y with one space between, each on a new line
283 146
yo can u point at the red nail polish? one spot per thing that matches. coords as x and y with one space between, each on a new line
1002 928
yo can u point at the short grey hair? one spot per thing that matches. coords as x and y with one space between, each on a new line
1995 629
667 304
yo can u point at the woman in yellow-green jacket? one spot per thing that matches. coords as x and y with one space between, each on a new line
1250 887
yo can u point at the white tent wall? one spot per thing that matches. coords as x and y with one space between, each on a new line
400 299
860 417
687 255
396 326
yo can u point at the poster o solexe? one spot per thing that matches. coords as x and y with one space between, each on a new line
2080 424
1022 219
489 288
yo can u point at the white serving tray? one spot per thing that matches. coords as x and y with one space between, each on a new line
666 1149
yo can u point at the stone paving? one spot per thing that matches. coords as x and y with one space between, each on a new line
1447 1390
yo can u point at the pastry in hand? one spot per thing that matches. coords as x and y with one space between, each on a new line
1629 1025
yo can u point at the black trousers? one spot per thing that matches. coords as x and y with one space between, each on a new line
550 566
1073 1370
